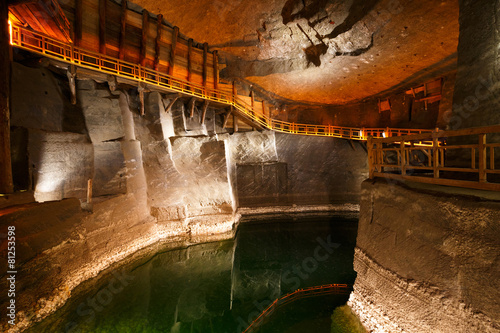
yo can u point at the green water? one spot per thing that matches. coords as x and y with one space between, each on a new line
221 287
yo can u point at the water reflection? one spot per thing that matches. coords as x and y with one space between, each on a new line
220 287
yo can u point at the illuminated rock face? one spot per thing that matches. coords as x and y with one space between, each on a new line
426 262
321 51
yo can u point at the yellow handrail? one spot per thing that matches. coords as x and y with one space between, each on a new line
52 48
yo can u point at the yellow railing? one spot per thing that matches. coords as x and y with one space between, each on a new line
470 165
52 48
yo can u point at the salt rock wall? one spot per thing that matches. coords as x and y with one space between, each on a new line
161 176
426 261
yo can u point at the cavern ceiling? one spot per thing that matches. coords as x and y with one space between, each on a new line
321 51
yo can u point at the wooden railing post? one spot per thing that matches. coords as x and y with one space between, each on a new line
435 153
403 157
369 145
482 158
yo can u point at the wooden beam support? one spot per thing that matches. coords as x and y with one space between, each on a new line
191 107
252 98
102 26
226 118
123 30
205 53
171 104
235 123
144 38
141 89
175 35
216 69
112 83
6 183
204 113
71 74
159 28
78 25
189 64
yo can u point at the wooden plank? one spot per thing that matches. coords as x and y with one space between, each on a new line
102 26
123 30
159 28
175 35
216 69
205 52
189 65
442 181
443 134
171 104
78 22
6 184
144 37
482 157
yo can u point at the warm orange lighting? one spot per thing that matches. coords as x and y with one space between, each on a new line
10 32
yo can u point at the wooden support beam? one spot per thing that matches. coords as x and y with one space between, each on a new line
6 183
171 104
175 35
235 123
159 28
78 25
482 158
216 69
189 63
191 107
226 118
102 26
71 74
144 38
141 89
204 113
252 98
89 191
205 52
123 30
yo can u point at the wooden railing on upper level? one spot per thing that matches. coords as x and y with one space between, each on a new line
52 48
470 165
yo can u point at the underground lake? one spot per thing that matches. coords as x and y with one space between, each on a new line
225 286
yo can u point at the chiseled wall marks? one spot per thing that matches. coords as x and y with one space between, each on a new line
426 261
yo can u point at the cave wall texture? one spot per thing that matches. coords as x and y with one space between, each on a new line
419 273
161 176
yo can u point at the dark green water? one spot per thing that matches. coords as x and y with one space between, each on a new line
221 287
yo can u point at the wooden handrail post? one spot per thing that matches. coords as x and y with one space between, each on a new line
369 145
403 158
482 158
435 153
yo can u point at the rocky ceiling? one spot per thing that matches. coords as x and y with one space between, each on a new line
321 51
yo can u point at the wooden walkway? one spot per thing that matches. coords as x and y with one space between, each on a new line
226 94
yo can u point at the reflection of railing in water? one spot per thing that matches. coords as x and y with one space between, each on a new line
385 158
55 49
329 289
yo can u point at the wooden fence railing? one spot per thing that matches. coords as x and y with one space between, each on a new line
462 158
52 48
329 289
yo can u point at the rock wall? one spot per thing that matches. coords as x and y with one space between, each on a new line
426 261
161 176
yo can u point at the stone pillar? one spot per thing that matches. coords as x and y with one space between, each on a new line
6 185
477 89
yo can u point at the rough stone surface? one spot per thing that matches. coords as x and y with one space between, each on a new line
426 261
321 51
61 164
109 169
102 115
